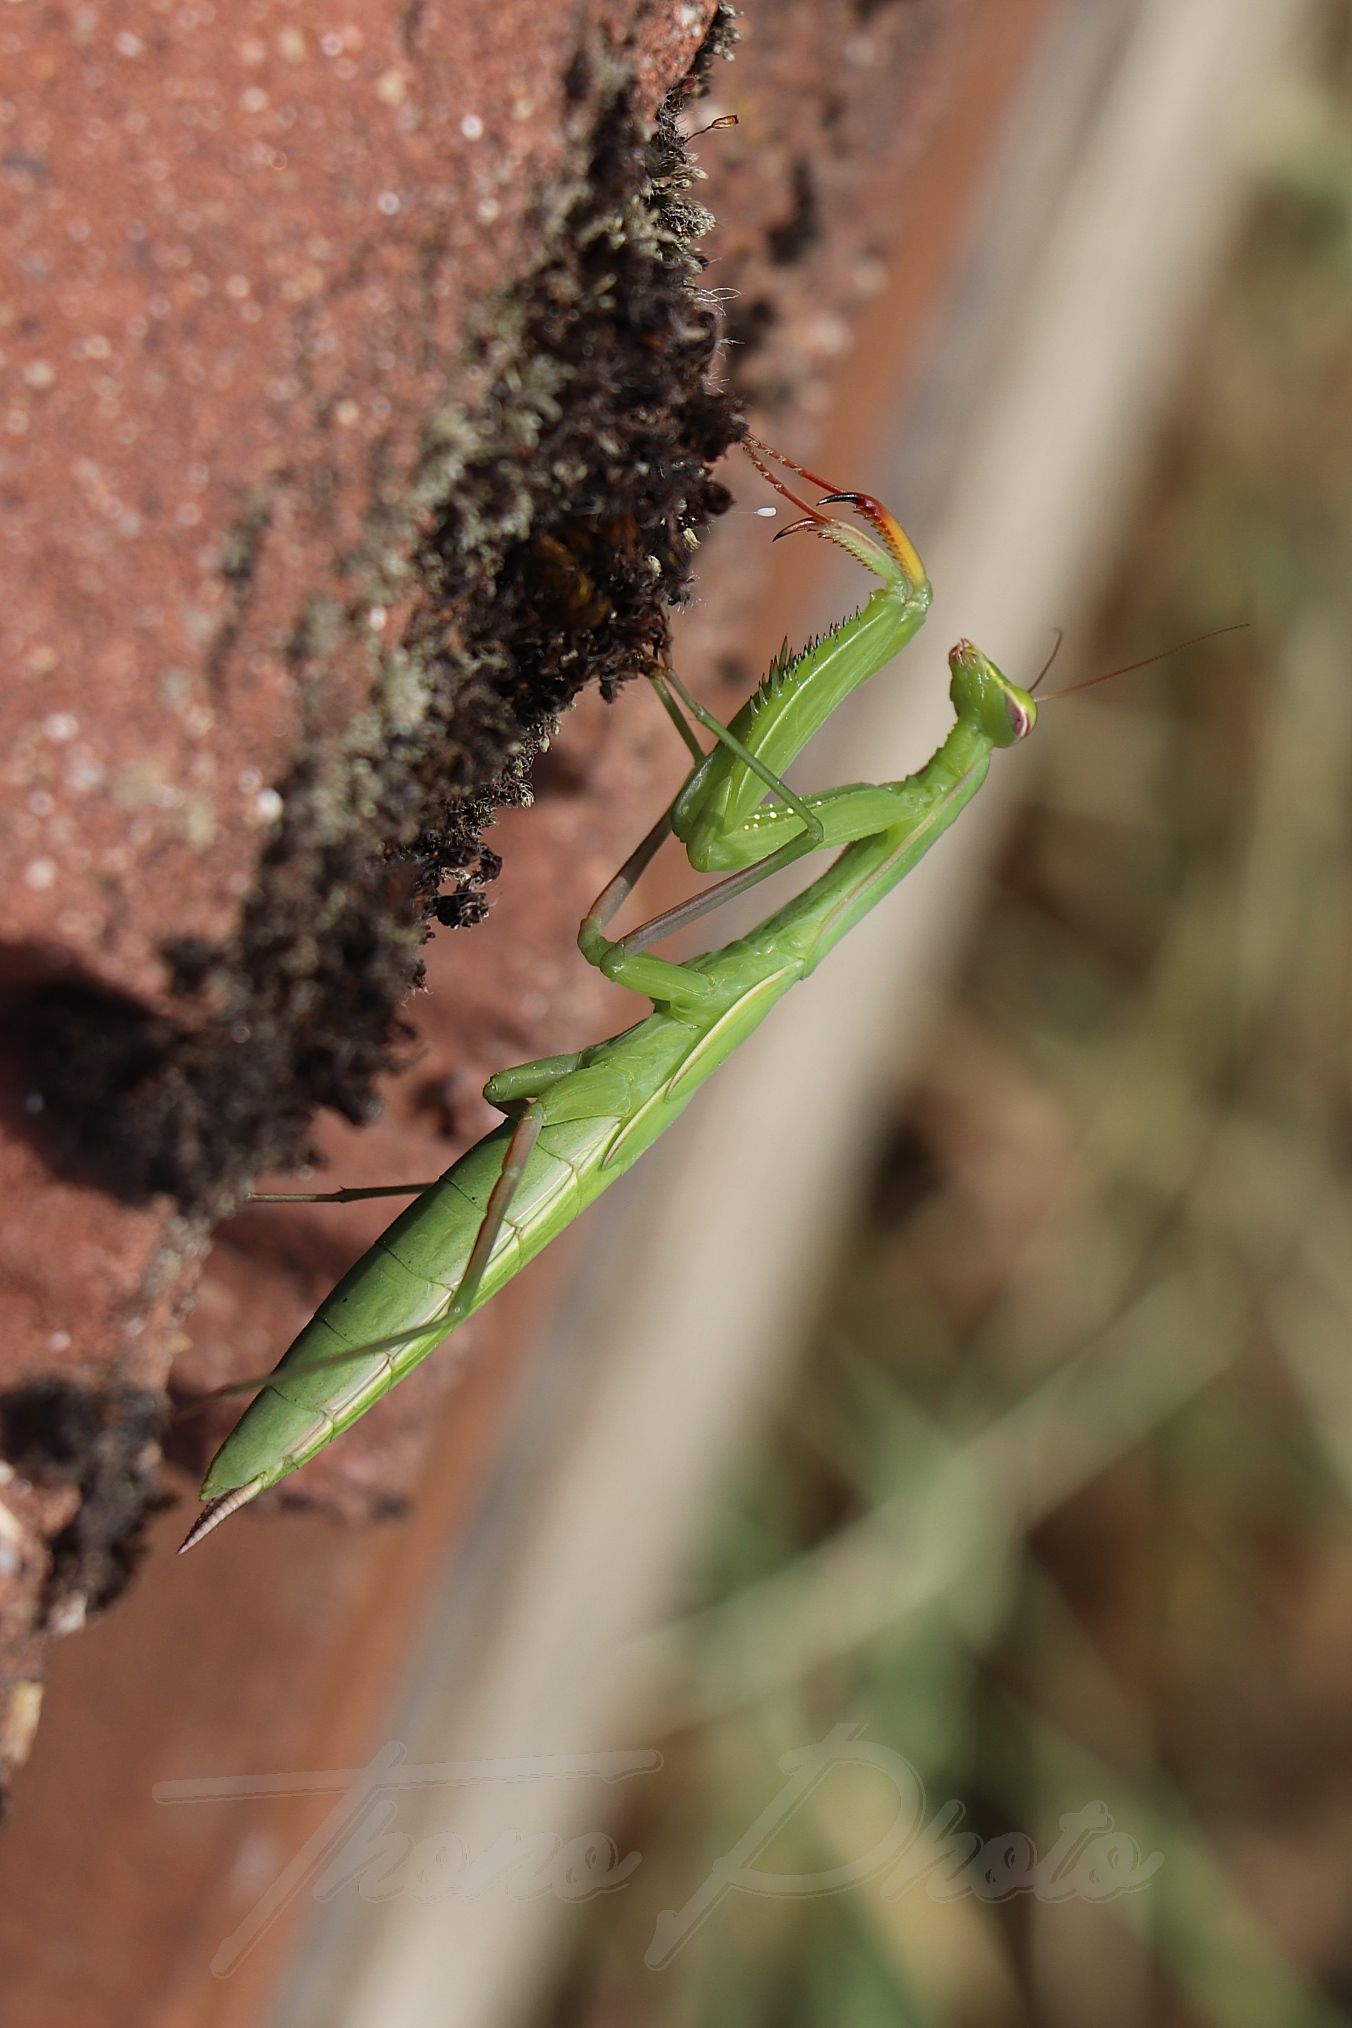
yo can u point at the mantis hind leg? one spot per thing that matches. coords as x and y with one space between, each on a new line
519 1148
506 1090
518 1153
534 1093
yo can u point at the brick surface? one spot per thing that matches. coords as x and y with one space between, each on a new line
314 513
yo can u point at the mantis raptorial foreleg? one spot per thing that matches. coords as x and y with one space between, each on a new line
721 815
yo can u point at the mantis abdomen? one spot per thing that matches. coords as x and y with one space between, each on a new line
595 1120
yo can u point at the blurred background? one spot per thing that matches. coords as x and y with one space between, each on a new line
906 1574
1058 1505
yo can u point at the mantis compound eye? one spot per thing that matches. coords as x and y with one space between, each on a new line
1022 712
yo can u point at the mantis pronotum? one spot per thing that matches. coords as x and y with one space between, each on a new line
575 1123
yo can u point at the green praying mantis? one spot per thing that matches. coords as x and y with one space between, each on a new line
575 1123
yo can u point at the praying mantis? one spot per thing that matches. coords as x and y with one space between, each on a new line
573 1124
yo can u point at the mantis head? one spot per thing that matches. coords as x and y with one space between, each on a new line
984 697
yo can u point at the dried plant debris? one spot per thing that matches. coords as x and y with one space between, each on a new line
556 509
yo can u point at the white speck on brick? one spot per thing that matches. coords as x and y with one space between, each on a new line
60 726
40 874
83 775
69 1616
472 127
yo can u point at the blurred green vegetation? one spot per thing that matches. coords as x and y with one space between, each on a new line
1062 1512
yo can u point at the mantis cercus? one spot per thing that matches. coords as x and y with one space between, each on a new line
575 1123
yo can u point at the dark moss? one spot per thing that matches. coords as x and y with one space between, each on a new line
556 516
107 1444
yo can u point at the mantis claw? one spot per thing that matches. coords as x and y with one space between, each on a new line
891 530
897 557
816 522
